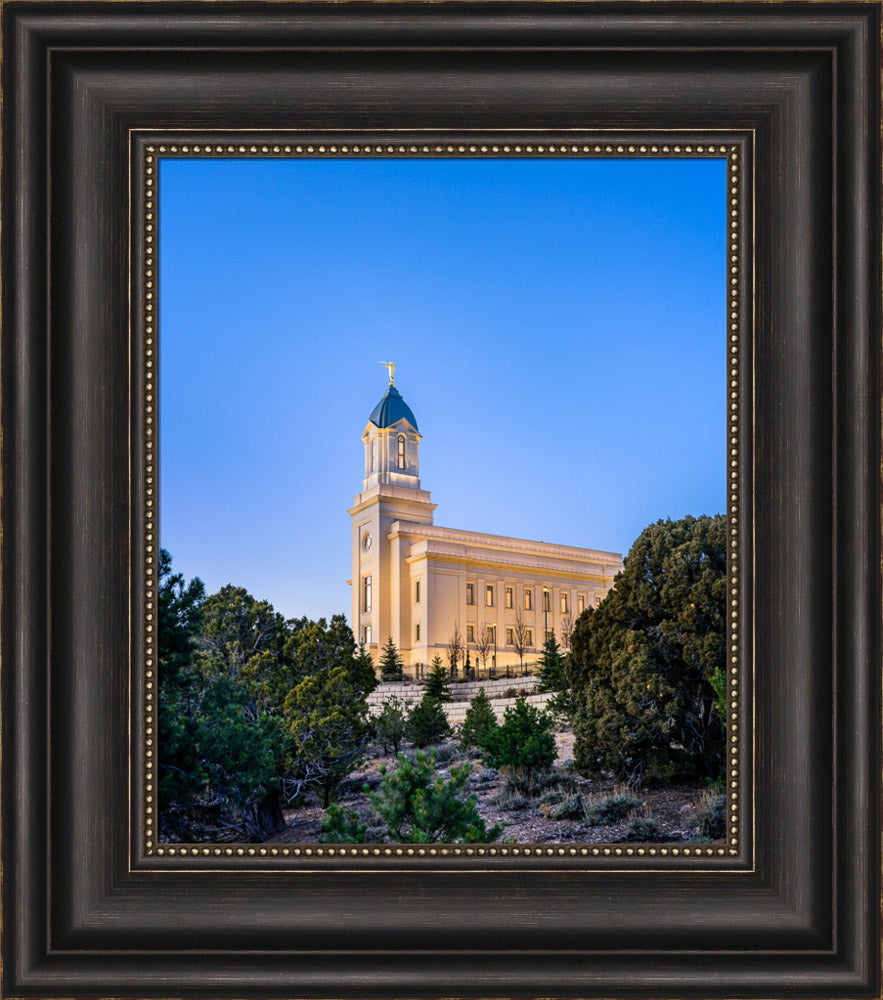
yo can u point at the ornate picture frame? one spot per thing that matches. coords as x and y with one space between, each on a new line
92 906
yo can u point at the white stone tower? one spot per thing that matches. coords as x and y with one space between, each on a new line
381 599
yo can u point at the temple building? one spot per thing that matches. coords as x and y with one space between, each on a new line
417 582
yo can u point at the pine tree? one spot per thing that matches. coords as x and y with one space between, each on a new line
523 742
420 807
391 665
427 723
391 724
438 685
551 673
553 678
479 721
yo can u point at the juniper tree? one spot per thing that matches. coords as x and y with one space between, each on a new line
326 720
645 662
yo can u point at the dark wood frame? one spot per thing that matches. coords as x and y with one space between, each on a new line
85 912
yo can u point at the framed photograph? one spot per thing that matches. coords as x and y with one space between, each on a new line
106 108
515 348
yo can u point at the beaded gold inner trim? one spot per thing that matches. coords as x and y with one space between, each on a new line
521 145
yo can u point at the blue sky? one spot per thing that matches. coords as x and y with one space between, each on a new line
557 326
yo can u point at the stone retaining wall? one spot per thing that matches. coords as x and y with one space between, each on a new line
411 693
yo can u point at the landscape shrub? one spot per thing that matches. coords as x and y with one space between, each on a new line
642 828
609 809
551 797
709 816
570 807
519 782
484 778
523 742
420 807
479 721
512 801
445 752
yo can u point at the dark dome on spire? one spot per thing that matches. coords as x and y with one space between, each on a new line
391 409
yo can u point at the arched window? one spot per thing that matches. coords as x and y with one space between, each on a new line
401 462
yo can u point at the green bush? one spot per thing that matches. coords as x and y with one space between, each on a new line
552 797
479 721
391 725
512 801
523 742
445 752
609 809
535 784
427 723
570 807
643 829
342 827
420 807
484 778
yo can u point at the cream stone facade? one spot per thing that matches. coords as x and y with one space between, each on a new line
416 582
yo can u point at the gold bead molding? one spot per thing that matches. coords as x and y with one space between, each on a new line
521 147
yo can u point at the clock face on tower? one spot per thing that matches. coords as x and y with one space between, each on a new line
368 541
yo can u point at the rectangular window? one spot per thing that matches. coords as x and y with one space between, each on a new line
563 603
366 634
470 633
528 637
489 596
597 600
470 593
581 603
417 632
510 597
417 592
492 634
366 593
549 633
528 599
546 601
510 637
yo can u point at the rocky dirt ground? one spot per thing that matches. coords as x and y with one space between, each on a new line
528 819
